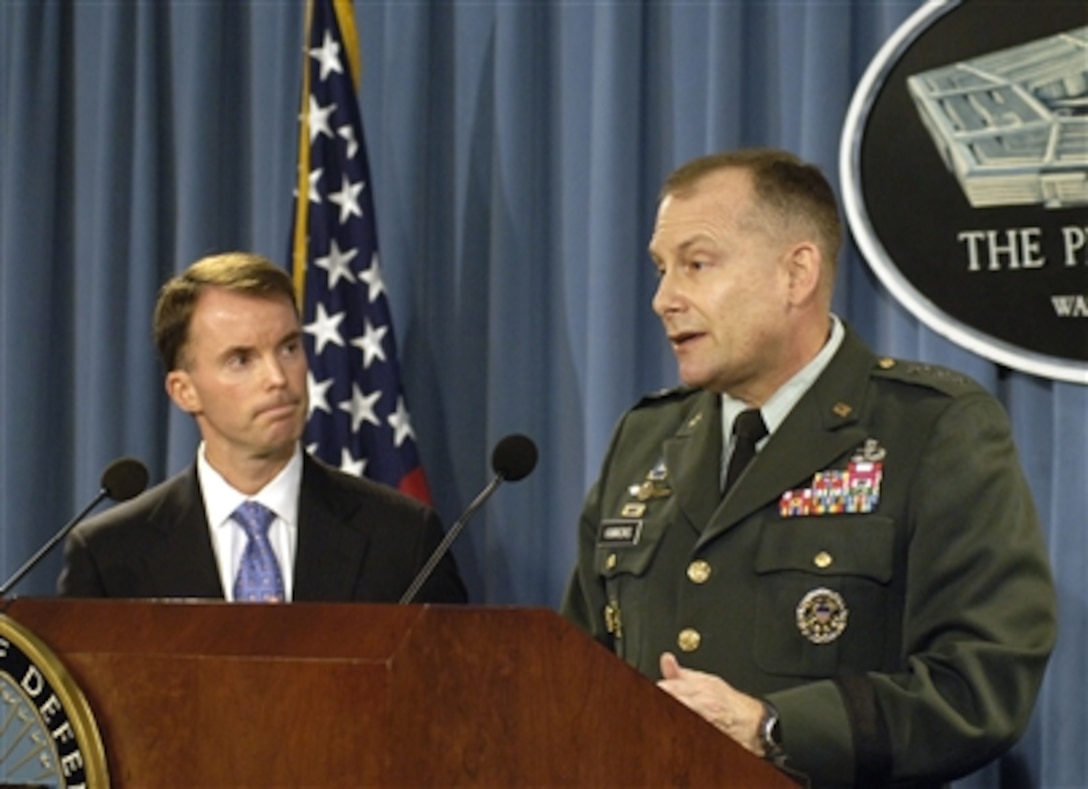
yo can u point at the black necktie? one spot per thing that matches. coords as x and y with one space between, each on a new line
748 429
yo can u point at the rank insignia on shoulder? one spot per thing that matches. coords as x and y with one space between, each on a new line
821 615
936 372
619 533
855 490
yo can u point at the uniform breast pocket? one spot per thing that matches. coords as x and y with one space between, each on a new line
825 603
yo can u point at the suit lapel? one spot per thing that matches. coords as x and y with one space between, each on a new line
331 547
181 563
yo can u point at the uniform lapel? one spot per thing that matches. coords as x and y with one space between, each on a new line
693 458
821 428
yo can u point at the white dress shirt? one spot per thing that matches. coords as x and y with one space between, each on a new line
229 539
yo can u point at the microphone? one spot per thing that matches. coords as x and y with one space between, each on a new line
123 478
513 459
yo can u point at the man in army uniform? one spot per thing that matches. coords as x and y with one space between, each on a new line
870 601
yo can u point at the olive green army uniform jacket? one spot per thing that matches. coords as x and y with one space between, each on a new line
878 573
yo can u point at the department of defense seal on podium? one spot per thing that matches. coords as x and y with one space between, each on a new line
48 735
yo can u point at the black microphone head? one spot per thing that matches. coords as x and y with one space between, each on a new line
514 457
124 478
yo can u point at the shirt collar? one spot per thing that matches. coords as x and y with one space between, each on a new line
221 499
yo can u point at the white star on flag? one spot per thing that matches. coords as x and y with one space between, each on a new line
325 328
328 55
371 343
401 424
348 136
373 279
348 199
361 407
314 192
318 390
319 119
350 464
336 263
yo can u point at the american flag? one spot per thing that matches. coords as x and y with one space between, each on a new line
358 417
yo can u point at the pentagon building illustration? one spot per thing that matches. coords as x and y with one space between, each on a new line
1012 125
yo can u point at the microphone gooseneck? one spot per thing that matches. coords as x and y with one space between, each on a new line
513 458
123 478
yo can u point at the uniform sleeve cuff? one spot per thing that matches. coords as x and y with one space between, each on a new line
816 735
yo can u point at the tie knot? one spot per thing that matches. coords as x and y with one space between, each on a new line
749 426
254 517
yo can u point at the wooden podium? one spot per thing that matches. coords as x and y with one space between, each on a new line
210 694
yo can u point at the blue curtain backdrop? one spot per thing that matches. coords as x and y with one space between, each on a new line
516 150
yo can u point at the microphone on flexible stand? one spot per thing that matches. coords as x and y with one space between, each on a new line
513 459
123 478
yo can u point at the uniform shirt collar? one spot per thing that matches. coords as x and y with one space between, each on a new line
779 405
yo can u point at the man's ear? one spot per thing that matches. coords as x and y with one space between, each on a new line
805 267
179 385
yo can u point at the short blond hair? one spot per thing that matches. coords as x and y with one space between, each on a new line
239 272
782 184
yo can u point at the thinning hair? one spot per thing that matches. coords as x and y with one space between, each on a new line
238 272
786 190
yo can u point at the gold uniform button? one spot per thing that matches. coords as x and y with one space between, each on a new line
886 363
699 572
610 562
688 640
823 560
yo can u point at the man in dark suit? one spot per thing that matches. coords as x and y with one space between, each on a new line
255 517
831 556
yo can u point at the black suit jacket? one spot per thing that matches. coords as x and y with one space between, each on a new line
358 541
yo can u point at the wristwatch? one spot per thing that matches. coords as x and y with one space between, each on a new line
770 734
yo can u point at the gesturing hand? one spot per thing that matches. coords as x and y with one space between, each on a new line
735 713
